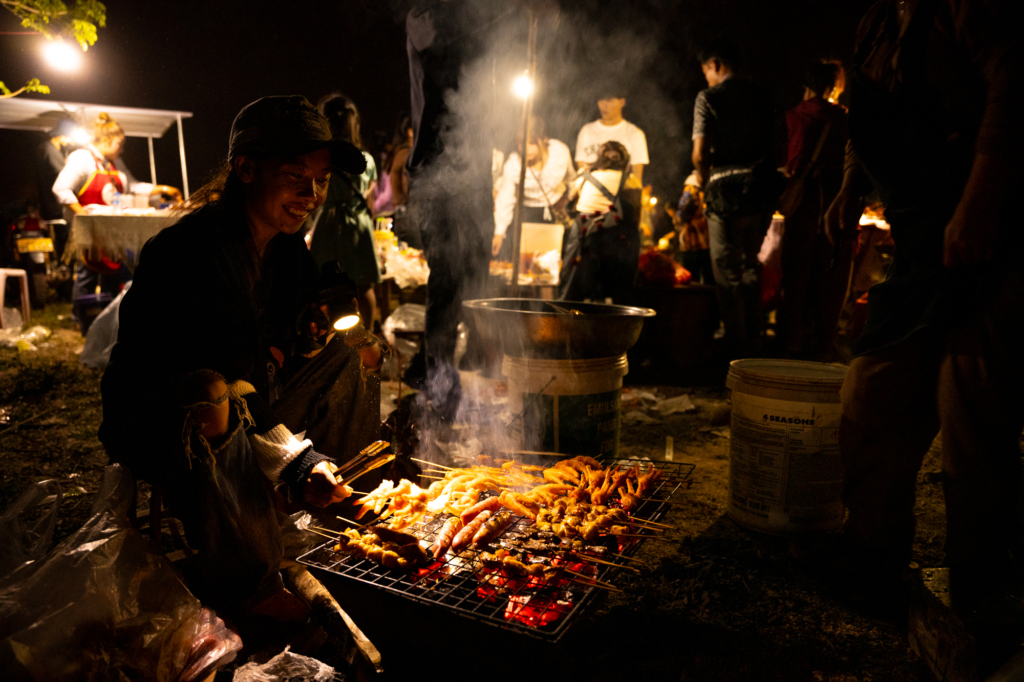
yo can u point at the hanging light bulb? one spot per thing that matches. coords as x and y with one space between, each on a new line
522 86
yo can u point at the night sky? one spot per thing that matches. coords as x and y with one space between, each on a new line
212 58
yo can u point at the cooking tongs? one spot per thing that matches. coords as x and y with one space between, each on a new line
368 459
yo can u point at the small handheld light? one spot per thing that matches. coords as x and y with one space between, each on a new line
346 322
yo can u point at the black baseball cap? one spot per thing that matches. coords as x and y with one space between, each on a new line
289 125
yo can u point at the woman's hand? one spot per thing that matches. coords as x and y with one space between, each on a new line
496 244
323 488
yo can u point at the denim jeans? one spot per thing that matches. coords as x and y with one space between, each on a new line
735 243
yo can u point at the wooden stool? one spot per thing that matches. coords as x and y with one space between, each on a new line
22 276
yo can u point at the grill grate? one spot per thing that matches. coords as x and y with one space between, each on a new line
457 584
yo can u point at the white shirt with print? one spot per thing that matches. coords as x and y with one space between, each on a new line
594 134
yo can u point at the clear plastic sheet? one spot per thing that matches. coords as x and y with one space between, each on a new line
286 667
104 604
23 541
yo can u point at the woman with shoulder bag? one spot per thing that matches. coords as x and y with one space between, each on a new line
601 251
549 171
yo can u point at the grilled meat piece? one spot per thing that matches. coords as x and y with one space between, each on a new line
494 527
465 536
445 536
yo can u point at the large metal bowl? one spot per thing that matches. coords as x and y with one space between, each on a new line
532 328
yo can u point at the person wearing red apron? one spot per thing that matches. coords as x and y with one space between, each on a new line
90 177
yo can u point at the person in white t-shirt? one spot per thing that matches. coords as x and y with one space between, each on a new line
549 171
612 127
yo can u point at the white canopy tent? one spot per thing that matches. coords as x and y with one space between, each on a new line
20 113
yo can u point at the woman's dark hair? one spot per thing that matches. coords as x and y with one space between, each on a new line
224 188
225 192
612 156
343 116
724 50
824 76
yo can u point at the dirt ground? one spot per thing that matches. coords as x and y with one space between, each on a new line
721 603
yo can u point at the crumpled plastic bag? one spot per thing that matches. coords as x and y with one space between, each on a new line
681 403
104 604
14 338
21 544
286 667
295 539
214 646
638 417
103 334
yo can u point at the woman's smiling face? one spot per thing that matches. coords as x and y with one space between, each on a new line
283 192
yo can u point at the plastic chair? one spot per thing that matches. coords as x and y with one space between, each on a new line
22 276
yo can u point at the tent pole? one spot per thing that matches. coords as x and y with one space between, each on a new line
517 219
152 160
181 148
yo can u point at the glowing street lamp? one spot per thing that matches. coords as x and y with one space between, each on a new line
62 56
522 86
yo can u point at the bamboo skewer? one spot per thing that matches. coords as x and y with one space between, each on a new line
587 577
439 466
331 537
655 523
350 521
590 559
631 558
637 535
600 586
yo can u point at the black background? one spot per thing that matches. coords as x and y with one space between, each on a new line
212 58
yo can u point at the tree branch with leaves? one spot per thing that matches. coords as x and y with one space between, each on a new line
53 20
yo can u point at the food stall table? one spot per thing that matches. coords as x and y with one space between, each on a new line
118 236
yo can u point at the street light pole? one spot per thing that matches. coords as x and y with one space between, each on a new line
517 220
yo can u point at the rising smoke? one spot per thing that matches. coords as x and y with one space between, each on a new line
580 52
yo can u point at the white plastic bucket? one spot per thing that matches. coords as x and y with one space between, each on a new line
567 406
785 472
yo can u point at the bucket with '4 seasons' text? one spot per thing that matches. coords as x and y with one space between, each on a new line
785 470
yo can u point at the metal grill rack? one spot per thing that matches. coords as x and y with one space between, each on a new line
457 585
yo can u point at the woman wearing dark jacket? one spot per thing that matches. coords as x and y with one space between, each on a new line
216 387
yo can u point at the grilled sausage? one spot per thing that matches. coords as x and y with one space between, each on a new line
465 536
396 536
492 529
490 503
445 536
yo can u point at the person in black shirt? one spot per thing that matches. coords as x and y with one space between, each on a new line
450 186
732 152
220 378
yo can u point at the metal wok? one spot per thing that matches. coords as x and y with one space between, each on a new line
557 330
